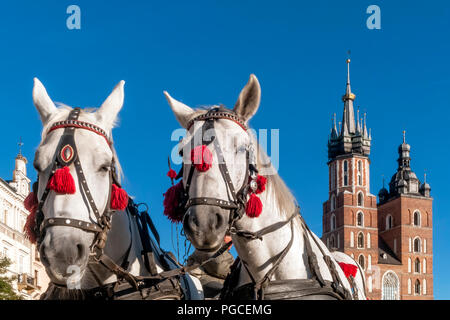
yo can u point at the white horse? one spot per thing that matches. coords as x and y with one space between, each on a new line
66 250
276 249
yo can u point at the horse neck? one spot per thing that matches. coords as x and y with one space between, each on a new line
123 243
261 256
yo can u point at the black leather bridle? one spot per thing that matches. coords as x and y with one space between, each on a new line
66 154
237 199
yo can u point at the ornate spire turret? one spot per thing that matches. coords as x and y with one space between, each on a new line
353 136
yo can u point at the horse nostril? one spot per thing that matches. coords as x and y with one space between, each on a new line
80 252
219 221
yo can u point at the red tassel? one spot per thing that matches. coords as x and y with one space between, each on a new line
201 158
30 201
62 181
171 203
30 224
172 174
349 269
254 206
261 181
119 198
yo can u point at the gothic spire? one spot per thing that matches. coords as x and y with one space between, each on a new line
348 98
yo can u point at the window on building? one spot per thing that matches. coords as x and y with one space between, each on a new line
333 175
352 239
360 219
389 222
333 222
417 245
332 242
362 262
417 287
333 202
424 290
345 173
360 173
360 199
360 240
390 286
417 218
417 266
424 266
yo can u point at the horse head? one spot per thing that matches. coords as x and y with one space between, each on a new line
77 182
218 166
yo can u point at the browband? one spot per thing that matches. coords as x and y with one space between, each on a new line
80 125
219 115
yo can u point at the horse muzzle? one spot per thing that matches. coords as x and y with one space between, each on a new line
205 226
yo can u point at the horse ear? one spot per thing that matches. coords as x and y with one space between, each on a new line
182 112
108 111
249 98
42 101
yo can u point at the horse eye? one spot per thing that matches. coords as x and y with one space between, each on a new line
105 168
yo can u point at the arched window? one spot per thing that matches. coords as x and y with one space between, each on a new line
345 172
417 245
424 266
352 239
360 173
360 240
417 218
424 286
333 222
360 219
332 242
333 202
409 264
417 266
369 262
417 287
360 199
368 240
362 262
389 222
409 286
390 286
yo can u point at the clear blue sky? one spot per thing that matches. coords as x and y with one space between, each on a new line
202 52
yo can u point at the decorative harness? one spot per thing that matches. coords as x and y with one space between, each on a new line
163 285
237 206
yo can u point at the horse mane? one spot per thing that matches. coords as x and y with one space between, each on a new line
63 113
276 188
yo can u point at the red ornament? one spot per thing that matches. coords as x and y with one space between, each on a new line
172 174
349 269
30 201
62 181
261 181
30 225
172 200
119 198
254 206
201 158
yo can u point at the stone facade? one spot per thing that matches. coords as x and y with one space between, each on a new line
31 277
392 238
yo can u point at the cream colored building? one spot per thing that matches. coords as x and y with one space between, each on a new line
32 279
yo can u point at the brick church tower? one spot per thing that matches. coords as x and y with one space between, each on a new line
391 240
405 226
